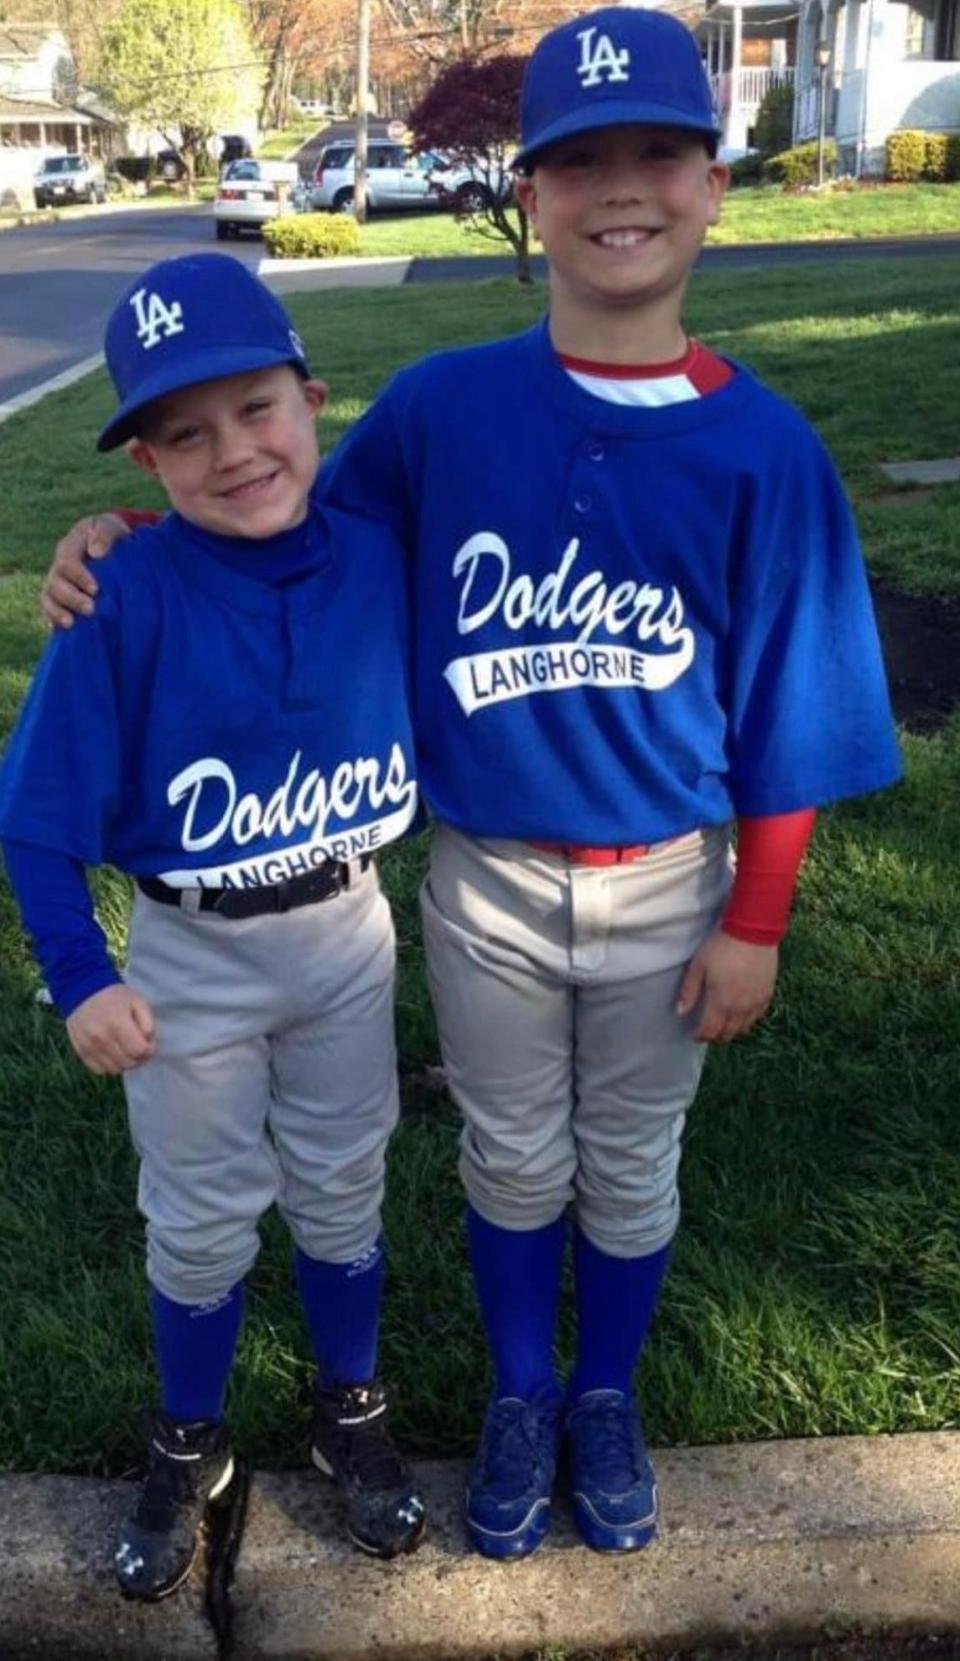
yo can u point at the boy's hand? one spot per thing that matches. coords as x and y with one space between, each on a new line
69 586
112 1031
735 982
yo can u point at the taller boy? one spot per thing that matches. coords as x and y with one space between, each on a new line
642 615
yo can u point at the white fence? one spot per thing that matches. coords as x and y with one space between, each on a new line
752 86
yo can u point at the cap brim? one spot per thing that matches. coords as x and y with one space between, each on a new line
206 366
613 113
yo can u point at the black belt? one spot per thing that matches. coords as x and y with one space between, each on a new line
312 888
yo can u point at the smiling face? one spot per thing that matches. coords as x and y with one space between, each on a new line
236 455
622 213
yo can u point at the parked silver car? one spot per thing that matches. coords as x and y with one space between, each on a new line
395 179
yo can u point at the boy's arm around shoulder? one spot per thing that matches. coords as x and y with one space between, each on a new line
368 472
804 684
70 587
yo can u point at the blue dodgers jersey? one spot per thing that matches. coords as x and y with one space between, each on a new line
629 621
209 729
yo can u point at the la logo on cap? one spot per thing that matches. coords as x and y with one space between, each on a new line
602 59
155 320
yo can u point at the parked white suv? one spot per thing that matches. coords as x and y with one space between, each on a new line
70 178
395 179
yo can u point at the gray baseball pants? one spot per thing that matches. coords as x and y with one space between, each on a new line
554 986
274 1081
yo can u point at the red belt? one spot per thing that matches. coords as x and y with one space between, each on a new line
594 856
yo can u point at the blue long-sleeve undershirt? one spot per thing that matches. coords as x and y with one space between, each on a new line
57 911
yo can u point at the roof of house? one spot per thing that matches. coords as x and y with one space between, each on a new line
20 40
26 112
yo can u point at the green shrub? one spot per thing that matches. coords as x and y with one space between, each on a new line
306 236
773 128
913 154
798 166
935 156
906 155
747 170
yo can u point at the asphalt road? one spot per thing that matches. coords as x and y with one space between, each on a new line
58 282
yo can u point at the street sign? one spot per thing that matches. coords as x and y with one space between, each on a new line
396 131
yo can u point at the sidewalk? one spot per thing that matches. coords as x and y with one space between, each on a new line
758 1542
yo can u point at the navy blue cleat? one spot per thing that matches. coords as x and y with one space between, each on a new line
510 1487
613 1491
190 1470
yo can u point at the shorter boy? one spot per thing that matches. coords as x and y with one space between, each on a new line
232 729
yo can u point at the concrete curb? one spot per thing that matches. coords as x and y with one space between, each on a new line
757 1542
86 210
56 383
344 271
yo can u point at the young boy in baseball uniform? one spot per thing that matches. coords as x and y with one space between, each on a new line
232 729
642 625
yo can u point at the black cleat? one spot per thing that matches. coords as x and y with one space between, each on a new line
385 1514
189 1466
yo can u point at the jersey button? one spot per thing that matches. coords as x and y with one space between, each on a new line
595 452
582 504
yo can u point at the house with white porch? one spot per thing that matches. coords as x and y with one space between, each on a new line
892 64
748 46
38 89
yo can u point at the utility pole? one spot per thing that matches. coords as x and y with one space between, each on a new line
822 54
464 26
363 93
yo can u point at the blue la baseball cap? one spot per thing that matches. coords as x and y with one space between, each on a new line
189 320
621 64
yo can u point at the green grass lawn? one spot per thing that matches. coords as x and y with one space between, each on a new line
283 141
749 215
768 214
816 1281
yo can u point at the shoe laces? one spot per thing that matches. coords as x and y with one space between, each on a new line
607 1433
367 1450
513 1446
173 1481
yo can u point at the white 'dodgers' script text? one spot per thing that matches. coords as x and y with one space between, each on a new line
354 796
576 609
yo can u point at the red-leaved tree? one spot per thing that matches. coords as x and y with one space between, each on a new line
472 114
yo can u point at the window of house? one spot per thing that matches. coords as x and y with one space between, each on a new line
914 37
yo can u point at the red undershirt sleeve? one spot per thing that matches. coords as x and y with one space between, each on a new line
769 855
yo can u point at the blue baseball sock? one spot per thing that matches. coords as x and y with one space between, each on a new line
517 1277
615 1299
195 1345
341 1303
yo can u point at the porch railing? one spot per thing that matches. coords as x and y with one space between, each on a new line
752 86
